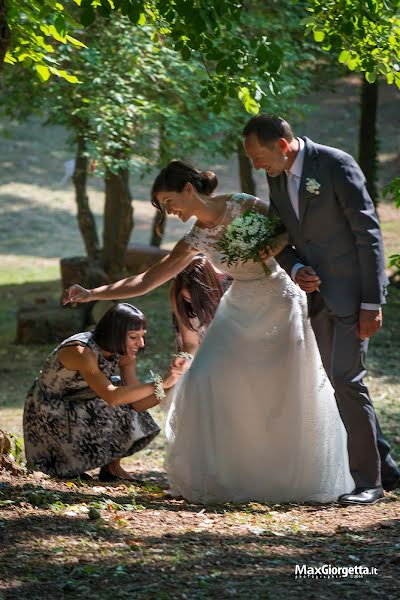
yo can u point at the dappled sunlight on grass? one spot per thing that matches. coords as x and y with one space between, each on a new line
143 544
18 269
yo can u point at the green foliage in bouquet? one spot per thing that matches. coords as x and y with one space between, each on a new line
246 236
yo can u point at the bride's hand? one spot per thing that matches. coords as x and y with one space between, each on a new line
77 293
181 363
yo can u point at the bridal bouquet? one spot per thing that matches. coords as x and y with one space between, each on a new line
246 236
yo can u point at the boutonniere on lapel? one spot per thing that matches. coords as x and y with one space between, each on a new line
312 186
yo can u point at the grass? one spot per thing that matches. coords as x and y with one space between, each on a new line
146 545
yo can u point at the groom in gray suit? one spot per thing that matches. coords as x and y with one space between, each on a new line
336 256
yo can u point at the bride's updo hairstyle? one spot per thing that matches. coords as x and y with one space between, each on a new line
174 177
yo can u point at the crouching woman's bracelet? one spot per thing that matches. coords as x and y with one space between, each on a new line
158 386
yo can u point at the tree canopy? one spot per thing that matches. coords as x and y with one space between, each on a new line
365 34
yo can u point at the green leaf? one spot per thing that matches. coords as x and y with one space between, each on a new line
370 77
69 78
75 42
243 93
394 261
252 106
87 16
59 24
134 14
390 78
249 103
10 59
222 66
348 27
64 75
142 19
262 53
185 52
344 56
319 35
27 62
43 72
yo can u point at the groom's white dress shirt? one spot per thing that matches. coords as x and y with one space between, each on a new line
293 185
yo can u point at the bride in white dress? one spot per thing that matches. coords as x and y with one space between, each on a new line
254 417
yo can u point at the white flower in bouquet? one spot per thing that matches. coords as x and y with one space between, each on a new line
246 236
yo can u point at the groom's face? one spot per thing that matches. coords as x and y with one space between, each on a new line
271 158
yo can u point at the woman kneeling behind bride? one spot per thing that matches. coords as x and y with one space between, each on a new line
254 418
75 418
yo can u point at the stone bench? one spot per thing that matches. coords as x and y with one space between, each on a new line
48 323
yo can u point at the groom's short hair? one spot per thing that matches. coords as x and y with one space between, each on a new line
268 128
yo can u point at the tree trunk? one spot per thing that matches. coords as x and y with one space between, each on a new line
368 140
247 183
87 223
5 35
158 229
118 222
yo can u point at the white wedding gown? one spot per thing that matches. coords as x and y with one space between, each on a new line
255 418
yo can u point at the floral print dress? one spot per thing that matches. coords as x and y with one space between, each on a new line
68 429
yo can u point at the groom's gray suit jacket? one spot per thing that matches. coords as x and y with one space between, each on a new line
337 232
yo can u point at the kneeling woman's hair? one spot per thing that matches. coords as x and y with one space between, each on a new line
205 288
111 331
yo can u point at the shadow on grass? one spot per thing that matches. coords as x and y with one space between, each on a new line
38 230
59 557
384 349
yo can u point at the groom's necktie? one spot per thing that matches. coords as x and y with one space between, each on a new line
293 185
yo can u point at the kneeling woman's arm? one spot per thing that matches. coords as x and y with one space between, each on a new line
140 395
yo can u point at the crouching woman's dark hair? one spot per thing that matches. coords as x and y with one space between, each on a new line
111 331
206 289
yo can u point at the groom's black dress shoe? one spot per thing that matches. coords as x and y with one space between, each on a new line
391 484
362 496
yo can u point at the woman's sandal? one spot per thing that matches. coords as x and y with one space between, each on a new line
106 475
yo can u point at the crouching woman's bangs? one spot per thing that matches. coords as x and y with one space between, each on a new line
111 331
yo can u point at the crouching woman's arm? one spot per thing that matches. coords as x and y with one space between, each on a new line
141 395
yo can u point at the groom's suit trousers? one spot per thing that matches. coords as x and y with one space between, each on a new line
343 357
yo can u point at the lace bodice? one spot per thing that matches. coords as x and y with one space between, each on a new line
205 240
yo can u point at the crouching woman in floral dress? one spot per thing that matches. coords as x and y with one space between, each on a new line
75 418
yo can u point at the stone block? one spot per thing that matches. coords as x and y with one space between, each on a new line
48 323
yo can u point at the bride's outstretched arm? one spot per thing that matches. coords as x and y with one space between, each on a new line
137 285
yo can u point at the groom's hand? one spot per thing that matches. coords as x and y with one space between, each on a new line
307 279
370 321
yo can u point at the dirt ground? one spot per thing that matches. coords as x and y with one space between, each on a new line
143 544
